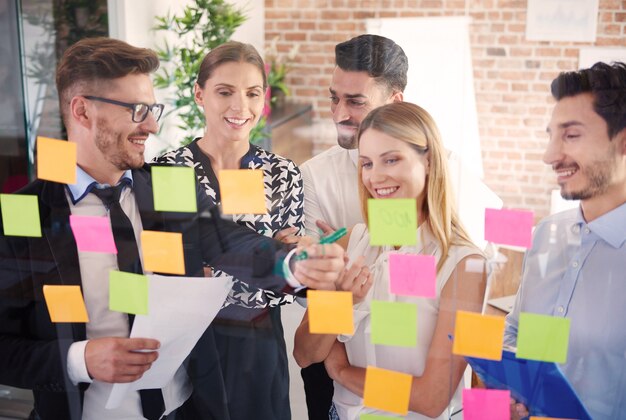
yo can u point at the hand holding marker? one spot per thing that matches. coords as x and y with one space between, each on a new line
329 239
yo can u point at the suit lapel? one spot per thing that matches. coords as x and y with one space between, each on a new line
142 187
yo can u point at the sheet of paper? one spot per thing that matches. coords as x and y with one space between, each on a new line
392 221
330 312
477 335
242 191
180 310
174 188
128 292
543 337
65 303
394 323
387 390
509 227
486 404
20 215
56 160
412 275
163 252
93 234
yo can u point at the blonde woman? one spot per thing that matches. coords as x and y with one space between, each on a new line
401 156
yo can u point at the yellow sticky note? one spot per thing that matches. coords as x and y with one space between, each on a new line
163 252
65 303
242 192
387 390
330 312
56 160
477 335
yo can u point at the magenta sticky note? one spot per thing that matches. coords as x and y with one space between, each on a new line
509 227
486 404
412 275
93 234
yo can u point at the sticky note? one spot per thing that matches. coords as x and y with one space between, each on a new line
375 417
20 215
330 312
242 191
392 221
56 160
394 323
477 335
412 275
128 292
542 337
387 390
509 227
163 252
174 188
93 234
65 303
486 404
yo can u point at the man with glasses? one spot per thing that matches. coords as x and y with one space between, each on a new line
108 107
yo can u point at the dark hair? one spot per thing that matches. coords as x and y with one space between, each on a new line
231 51
607 84
380 57
92 60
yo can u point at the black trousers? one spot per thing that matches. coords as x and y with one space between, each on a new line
318 388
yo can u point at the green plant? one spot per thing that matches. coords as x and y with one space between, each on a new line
203 25
277 67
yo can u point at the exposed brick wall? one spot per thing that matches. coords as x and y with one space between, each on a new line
511 75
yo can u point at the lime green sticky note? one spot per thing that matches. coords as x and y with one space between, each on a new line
392 221
543 337
128 292
375 417
20 215
394 323
174 188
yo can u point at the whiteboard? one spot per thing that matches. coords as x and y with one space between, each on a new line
440 77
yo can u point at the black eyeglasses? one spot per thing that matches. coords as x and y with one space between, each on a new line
140 110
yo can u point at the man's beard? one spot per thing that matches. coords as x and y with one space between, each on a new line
112 145
598 174
348 142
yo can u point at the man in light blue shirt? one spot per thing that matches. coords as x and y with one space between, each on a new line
576 267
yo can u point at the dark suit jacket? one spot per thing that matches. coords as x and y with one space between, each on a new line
33 350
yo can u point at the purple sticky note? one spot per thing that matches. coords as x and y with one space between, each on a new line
412 275
486 404
509 227
93 234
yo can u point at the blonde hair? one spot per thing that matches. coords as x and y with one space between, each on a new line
412 124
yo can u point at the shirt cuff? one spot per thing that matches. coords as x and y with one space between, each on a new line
289 277
76 366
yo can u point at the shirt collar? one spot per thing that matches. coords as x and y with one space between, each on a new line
85 183
610 227
354 156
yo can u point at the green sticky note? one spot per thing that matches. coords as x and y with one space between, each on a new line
20 215
375 417
543 337
394 323
174 188
392 221
128 292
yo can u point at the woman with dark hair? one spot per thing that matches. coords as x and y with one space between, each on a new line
231 89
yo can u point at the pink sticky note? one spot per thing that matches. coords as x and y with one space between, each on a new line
412 275
486 404
509 227
93 234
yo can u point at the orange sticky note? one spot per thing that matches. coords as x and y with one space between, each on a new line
163 252
56 160
65 303
242 191
387 390
330 312
477 335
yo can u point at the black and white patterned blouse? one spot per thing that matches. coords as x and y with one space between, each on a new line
283 196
